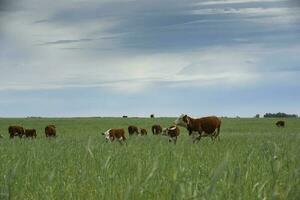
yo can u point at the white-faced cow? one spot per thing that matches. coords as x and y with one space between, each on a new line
205 126
112 134
173 132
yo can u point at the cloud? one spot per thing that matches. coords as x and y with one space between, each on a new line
68 41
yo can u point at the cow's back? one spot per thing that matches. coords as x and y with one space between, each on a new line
209 124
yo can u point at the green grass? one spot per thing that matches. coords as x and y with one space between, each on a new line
253 160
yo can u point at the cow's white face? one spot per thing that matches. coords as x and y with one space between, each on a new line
106 134
180 122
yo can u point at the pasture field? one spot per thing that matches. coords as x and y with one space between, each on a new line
253 160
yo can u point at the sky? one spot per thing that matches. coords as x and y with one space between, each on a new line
85 58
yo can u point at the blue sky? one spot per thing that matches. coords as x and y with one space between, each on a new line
137 57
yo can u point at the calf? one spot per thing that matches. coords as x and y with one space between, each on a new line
205 126
16 131
156 129
173 132
133 130
30 133
280 124
112 134
143 131
50 131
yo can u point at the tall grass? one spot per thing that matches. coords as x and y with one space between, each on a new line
253 160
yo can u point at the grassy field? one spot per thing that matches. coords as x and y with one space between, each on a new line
253 160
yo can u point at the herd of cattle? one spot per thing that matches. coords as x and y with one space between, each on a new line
196 127
19 131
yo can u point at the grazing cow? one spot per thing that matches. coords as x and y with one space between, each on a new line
280 124
133 130
50 131
205 126
152 116
143 131
173 132
30 133
156 129
112 134
16 131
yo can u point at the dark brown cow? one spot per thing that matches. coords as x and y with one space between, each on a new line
112 134
143 131
30 133
280 124
50 131
133 130
16 131
156 129
173 132
205 126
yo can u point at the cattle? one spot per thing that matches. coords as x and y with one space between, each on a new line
125 116
173 132
280 124
205 126
50 131
156 129
152 116
143 131
16 131
112 134
133 130
30 133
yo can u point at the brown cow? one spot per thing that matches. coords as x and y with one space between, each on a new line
143 131
205 126
173 132
30 133
156 129
16 131
112 134
50 131
133 130
280 124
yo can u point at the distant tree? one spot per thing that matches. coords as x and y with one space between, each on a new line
152 116
279 115
257 116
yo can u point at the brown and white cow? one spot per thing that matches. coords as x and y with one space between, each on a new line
156 129
143 131
113 133
205 126
30 133
50 131
133 130
280 124
173 132
16 131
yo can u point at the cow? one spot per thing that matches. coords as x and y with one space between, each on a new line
143 131
124 116
16 131
156 129
133 130
280 124
205 126
113 133
30 133
173 132
50 131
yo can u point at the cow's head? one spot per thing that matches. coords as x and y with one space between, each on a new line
106 134
182 120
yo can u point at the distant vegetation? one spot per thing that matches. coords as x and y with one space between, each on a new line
279 115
